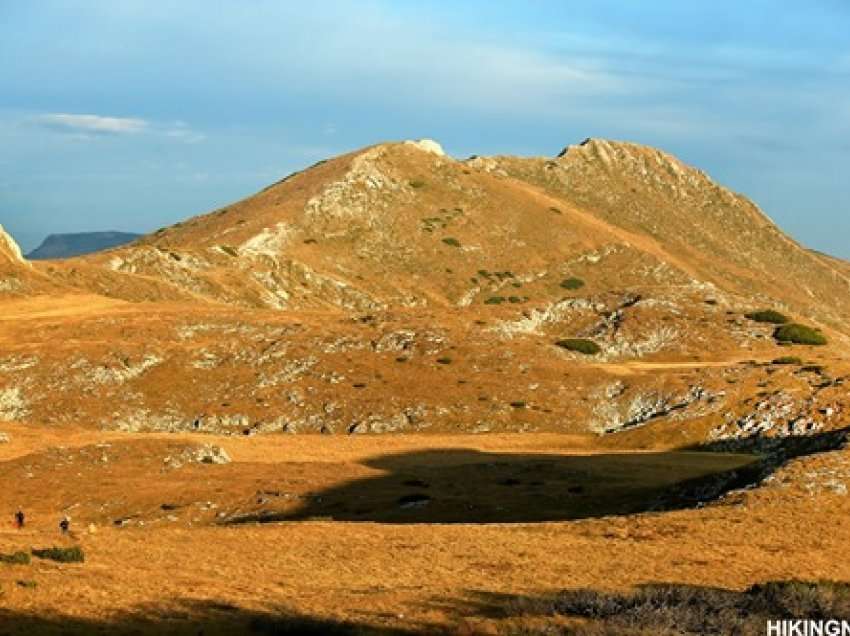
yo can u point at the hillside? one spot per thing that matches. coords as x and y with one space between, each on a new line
397 289
429 388
68 245
402 225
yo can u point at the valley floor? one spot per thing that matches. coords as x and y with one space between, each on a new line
412 532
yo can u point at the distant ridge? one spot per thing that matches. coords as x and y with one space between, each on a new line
68 245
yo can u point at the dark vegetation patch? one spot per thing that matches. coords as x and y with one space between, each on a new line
579 345
230 251
495 300
788 360
444 360
768 316
416 184
452 242
15 558
668 609
799 334
572 283
61 555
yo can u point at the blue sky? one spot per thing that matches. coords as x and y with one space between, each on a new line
132 115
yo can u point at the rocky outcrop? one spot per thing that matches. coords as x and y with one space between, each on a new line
9 249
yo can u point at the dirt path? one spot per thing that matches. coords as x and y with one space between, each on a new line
637 366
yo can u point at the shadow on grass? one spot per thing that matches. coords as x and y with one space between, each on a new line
468 486
663 609
657 609
195 618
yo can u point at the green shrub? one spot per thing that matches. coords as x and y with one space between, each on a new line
451 241
229 250
27 585
788 360
514 299
62 555
519 404
799 334
572 283
444 360
495 300
579 345
416 184
769 316
16 558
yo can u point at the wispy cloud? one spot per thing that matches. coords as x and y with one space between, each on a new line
92 124
85 126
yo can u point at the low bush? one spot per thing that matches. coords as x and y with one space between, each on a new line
572 283
416 184
444 360
61 555
788 360
16 558
579 345
495 300
768 316
799 334
453 242
682 610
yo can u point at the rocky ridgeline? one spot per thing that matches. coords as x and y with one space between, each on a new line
776 417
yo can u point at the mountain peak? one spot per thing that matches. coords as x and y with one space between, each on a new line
80 243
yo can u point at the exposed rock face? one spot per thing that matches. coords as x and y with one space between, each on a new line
428 145
9 249
204 454
13 405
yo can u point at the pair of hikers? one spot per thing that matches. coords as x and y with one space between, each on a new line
20 521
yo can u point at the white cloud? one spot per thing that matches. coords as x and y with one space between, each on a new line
93 124
89 126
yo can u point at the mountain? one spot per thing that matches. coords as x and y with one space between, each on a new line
395 288
68 245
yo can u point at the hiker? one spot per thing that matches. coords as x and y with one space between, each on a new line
65 525
19 519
